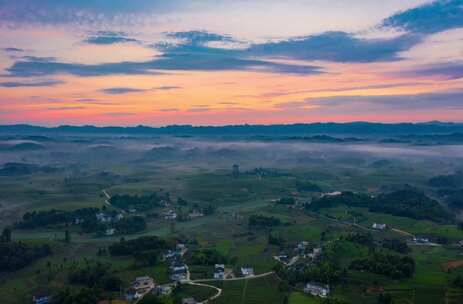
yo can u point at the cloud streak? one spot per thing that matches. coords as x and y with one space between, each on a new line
429 18
426 101
121 90
446 70
109 37
338 47
18 84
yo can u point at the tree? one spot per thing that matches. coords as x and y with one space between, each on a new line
6 235
67 236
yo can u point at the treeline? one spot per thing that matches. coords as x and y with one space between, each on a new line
130 225
345 198
326 270
138 202
85 218
17 255
207 257
408 202
367 240
36 219
452 197
411 203
288 200
394 266
126 225
95 275
307 186
396 245
81 296
447 181
138 245
263 221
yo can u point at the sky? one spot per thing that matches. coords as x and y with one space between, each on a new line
151 62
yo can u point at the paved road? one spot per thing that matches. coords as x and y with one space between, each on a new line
257 276
218 294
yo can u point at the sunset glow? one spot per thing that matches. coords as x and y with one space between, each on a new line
215 64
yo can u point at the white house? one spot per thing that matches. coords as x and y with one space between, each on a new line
103 217
316 252
163 290
41 299
379 226
170 215
110 231
219 271
247 271
189 301
317 290
179 272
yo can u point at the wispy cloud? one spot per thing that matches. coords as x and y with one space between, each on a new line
342 89
13 50
68 108
424 102
81 11
338 47
206 60
169 110
445 70
121 90
109 37
43 83
167 88
117 114
429 18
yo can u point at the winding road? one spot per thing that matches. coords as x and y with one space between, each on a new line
219 290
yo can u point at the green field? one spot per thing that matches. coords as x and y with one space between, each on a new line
207 181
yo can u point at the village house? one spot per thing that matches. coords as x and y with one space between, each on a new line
420 240
178 272
179 252
103 217
302 245
219 271
379 226
131 295
108 218
195 214
162 290
283 258
247 271
317 290
41 299
334 193
170 215
301 248
316 253
143 284
110 231
189 301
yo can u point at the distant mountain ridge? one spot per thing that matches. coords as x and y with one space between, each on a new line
363 128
